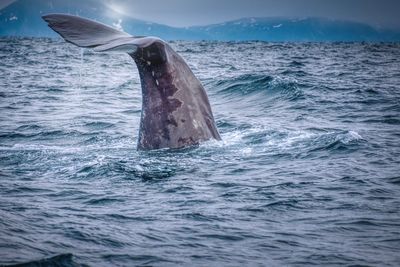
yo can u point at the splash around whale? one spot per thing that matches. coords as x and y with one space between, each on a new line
176 112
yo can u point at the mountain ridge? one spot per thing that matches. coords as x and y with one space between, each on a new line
20 18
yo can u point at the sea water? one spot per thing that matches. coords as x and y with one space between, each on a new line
307 172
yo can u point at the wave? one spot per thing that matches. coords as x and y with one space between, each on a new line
61 260
41 135
251 84
263 142
337 141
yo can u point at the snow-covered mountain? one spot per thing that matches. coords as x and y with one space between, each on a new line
23 18
295 29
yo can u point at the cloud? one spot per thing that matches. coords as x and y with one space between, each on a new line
193 12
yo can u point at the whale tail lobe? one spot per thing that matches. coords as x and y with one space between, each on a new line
175 107
91 34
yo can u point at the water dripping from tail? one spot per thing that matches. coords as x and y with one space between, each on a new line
80 68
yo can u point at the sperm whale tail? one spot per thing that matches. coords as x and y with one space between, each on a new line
91 34
175 107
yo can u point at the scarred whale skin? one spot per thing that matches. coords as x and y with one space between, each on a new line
176 111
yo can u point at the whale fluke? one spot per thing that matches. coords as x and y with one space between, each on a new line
175 107
91 34
83 32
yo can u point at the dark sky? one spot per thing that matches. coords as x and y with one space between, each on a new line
379 13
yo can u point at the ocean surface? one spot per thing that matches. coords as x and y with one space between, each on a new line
307 173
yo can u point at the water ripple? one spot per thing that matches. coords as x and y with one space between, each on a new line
307 172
